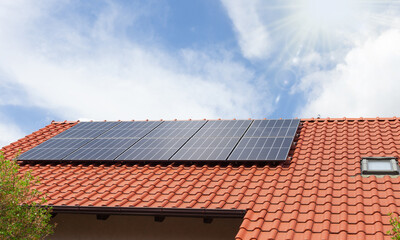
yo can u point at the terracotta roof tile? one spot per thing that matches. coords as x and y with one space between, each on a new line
320 194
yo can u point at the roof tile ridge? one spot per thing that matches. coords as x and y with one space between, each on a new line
342 119
62 180
241 195
293 223
245 234
390 196
267 203
257 228
86 198
275 226
64 122
144 181
192 186
154 184
160 193
197 196
179 169
218 187
128 197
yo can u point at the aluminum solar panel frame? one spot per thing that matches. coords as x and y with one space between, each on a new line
214 141
163 142
113 142
266 140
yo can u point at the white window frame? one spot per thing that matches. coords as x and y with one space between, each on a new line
365 171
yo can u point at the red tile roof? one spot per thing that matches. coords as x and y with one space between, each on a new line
320 194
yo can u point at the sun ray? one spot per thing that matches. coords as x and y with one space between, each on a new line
323 26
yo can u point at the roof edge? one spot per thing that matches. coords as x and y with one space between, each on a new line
301 119
350 119
139 211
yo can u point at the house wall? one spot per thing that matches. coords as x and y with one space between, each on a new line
86 226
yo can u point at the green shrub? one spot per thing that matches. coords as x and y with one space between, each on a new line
395 232
20 218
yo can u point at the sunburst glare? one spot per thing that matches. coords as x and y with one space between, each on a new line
324 25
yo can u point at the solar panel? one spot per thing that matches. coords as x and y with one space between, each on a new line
163 141
266 140
113 142
273 128
68 141
214 141
53 149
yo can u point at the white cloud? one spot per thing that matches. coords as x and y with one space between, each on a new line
79 69
366 84
9 133
254 38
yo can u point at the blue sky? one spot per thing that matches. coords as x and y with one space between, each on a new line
96 60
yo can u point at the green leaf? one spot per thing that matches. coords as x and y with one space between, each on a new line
21 215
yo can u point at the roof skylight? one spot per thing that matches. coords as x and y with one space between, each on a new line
379 166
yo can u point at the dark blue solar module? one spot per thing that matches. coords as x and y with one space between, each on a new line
163 141
53 149
68 141
113 142
266 140
214 141
273 128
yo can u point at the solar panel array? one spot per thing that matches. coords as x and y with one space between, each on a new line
219 140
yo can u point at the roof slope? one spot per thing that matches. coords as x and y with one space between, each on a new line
320 194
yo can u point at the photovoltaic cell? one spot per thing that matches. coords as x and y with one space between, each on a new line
266 140
214 141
